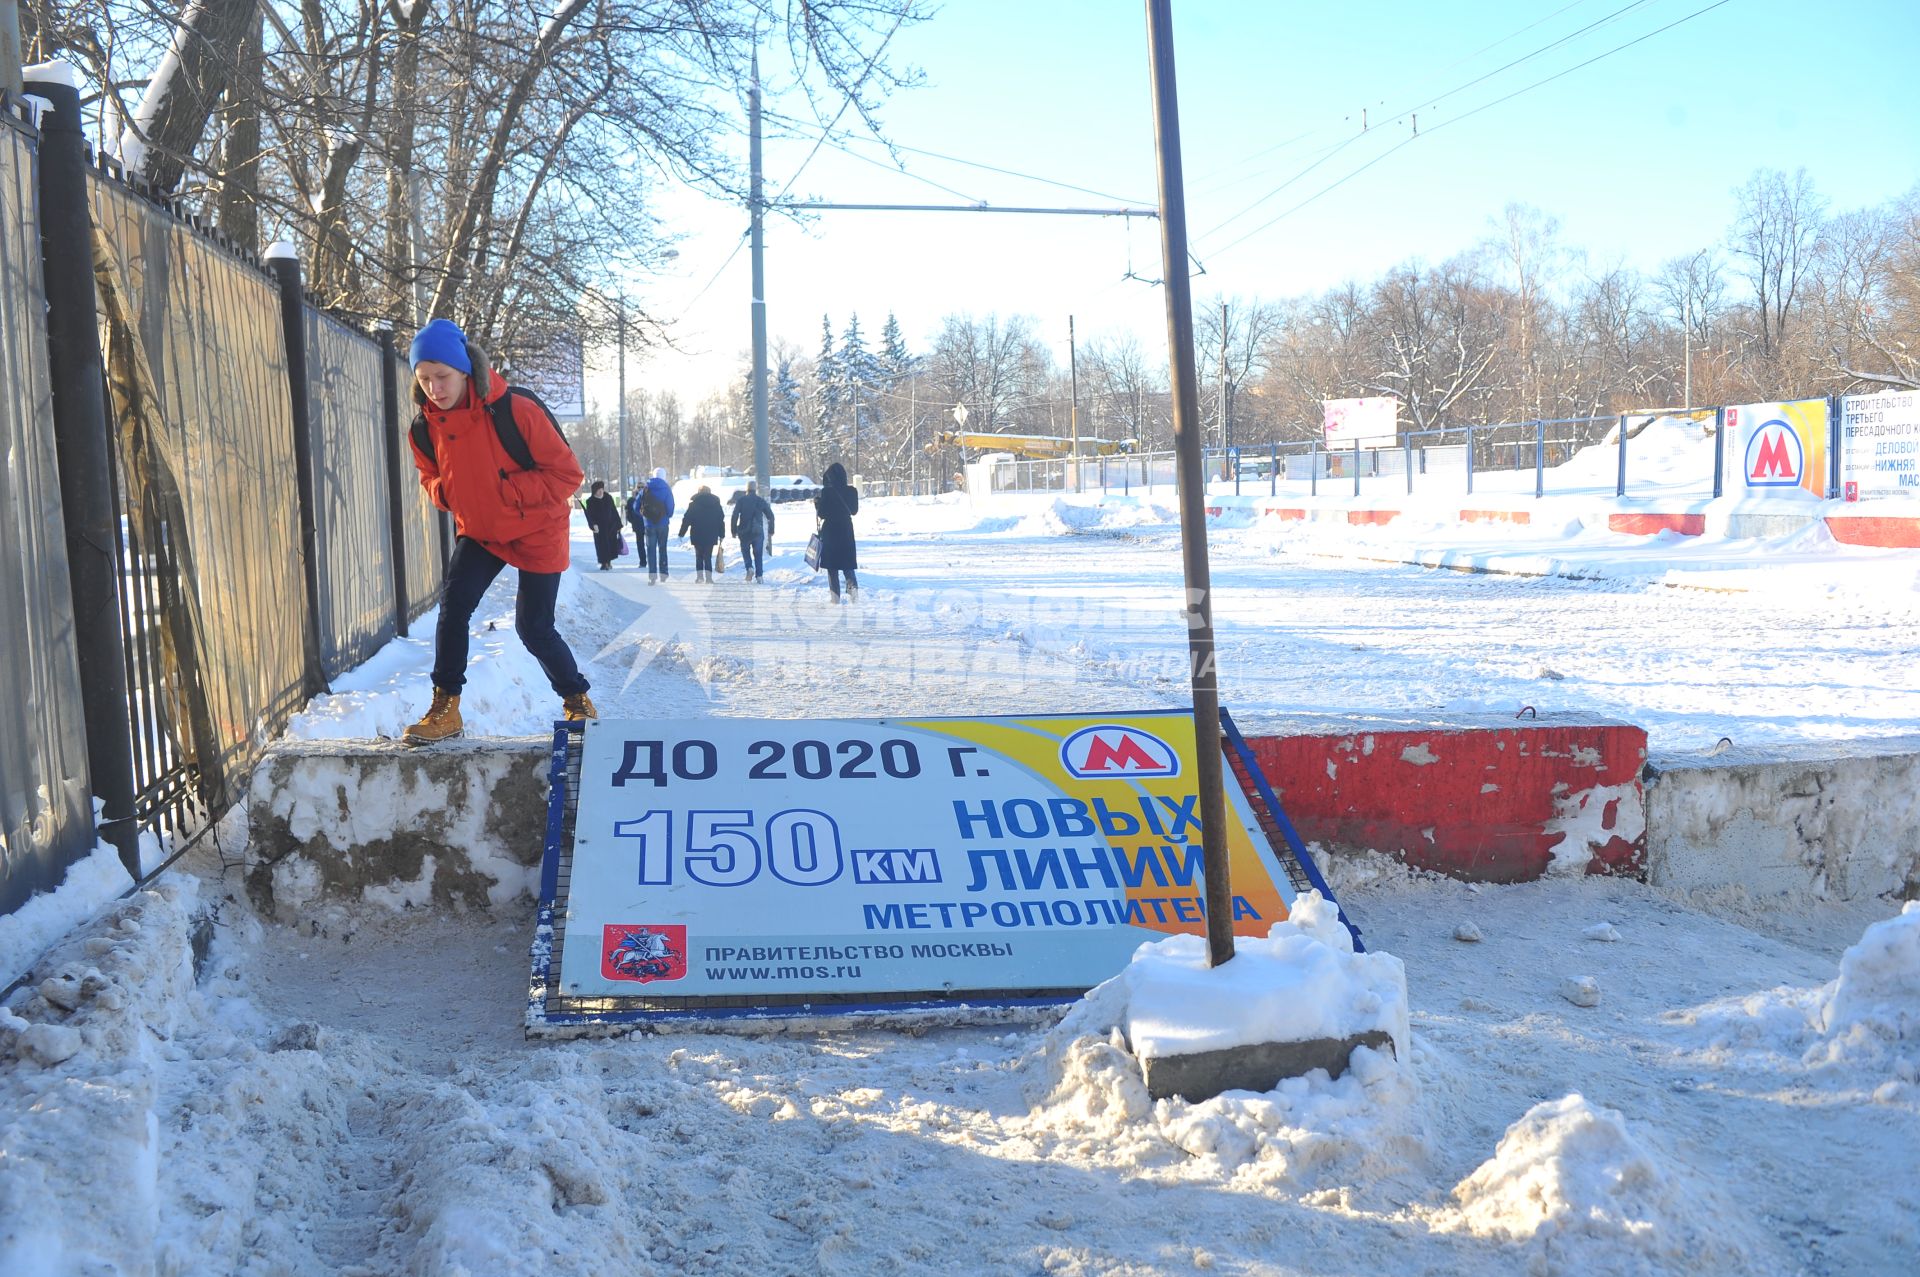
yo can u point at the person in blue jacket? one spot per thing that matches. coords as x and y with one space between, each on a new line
649 511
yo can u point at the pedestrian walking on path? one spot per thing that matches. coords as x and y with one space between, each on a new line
836 505
604 518
752 523
706 522
649 510
492 456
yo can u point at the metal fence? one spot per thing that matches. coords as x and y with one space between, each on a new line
1450 460
46 820
235 416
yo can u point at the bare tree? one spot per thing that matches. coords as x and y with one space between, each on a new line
1775 229
1435 335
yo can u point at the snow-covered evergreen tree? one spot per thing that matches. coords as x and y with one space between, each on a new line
864 383
894 356
829 391
784 430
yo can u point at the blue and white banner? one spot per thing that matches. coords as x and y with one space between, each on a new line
722 858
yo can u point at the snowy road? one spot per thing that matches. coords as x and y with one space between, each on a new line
352 1095
1029 614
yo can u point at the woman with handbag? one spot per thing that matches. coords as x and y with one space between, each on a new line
604 518
836 505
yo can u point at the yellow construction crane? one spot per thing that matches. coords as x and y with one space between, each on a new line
1032 445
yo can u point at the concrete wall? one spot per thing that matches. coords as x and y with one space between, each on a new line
462 823
1500 800
1840 821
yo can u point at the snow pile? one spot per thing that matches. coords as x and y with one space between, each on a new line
79 1060
1860 1031
88 885
1667 450
1587 1194
1303 982
1874 1005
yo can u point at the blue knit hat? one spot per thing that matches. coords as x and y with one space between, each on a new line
444 343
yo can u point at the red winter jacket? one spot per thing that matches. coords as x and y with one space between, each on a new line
520 516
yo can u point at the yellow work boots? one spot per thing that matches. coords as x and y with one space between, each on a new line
440 722
579 707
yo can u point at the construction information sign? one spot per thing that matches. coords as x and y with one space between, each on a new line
735 858
1880 444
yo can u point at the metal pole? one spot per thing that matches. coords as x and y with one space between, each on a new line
1356 467
1539 459
1620 484
398 489
293 319
1469 460
1073 367
1719 448
1406 454
83 447
1209 770
756 207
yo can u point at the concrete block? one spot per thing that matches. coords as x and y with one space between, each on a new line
1839 820
1494 800
1256 1067
462 823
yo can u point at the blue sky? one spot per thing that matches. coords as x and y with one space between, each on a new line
1637 154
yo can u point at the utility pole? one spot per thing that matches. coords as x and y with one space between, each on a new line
620 327
756 206
1209 771
1073 368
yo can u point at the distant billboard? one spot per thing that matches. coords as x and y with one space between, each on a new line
1779 449
557 373
1372 418
1880 445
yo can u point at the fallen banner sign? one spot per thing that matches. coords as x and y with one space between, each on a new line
746 868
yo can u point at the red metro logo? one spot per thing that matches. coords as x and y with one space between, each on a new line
1774 456
1112 752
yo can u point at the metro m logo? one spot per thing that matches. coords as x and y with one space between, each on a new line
1112 752
1774 456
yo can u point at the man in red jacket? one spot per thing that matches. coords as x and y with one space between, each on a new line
504 516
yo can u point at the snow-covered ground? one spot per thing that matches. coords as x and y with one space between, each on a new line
1600 1078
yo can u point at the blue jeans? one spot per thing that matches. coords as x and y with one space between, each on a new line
657 548
469 572
753 553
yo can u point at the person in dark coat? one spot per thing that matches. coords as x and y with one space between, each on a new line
752 522
706 521
648 510
604 518
836 505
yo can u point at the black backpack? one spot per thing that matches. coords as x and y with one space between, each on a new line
652 508
501 410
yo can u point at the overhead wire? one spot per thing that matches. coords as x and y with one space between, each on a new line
1467 115
1457 62
1426 102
